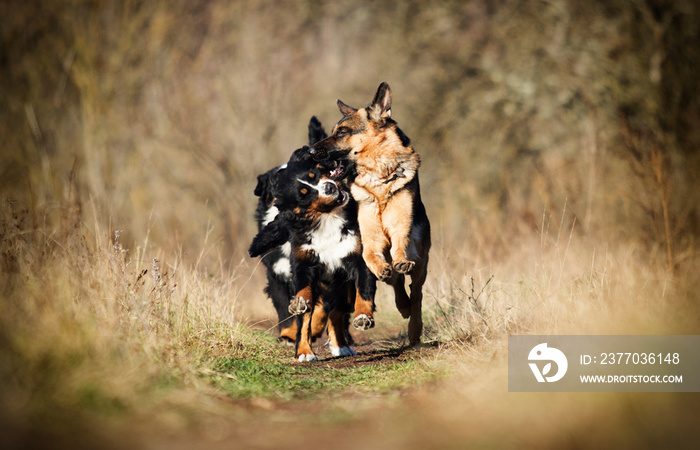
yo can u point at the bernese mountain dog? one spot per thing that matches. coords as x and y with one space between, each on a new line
317 217
276 260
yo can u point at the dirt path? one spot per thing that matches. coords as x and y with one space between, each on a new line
340 420
383 346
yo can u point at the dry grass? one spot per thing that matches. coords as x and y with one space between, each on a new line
560 174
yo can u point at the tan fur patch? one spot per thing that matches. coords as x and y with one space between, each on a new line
290 332
386 190
319 319
336 329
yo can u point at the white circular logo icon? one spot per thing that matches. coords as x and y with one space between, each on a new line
541 352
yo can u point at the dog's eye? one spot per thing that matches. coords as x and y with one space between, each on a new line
312 175
303 191
342 131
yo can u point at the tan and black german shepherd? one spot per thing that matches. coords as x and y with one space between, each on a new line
393 223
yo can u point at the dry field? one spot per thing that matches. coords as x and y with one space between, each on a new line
560 172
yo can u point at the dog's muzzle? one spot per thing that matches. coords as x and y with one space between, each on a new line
330 189
317 154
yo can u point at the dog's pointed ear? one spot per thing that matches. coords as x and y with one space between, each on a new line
346 110
316 131
380 109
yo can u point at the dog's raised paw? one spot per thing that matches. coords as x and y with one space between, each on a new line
363 322
298 305
385 273
404 266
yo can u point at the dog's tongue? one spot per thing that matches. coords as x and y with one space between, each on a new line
338 171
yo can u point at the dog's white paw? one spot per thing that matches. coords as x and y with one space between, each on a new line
342 351
298 305
363 322
304 357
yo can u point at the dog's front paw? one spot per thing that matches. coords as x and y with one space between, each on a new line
363 322
298 305
404 266
385 273
342 351
256 248
307 357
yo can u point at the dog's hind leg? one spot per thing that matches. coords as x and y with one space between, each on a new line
288 331
403 303
319 319
336 334
303 347
415 323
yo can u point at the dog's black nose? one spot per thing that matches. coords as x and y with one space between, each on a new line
317 153
330 189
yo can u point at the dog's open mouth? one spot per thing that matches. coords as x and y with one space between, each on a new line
338 172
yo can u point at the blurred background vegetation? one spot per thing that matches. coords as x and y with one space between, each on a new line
559 142
161 114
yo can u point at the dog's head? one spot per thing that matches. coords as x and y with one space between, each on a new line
302 157
335 169
306 190
302 191
360 129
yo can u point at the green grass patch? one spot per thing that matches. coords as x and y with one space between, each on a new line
270 371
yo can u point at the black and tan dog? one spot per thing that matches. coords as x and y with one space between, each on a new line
393 221
318 217
276 260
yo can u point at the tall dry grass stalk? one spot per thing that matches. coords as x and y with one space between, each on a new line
88 328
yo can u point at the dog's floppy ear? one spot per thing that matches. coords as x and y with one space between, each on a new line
346 110
380 109
263 181
316 131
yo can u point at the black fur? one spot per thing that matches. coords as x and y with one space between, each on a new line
279 286
316 131
296 188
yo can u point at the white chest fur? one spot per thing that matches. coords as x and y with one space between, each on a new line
270 215
283 266
330 243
